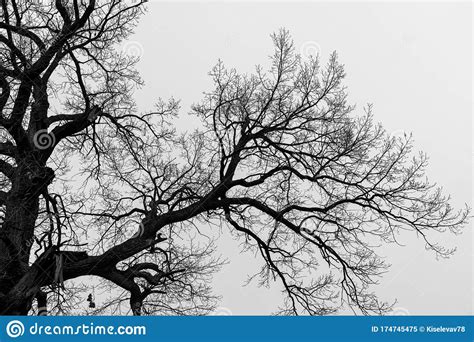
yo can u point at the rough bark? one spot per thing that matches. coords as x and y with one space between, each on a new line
22 203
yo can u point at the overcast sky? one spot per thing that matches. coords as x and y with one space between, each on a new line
412 61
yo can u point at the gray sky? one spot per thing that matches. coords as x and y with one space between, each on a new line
412 61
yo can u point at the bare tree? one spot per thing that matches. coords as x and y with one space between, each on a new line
92 187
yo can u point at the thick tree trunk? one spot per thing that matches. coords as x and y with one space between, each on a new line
17 234
18 230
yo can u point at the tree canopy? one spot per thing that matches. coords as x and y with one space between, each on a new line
90 186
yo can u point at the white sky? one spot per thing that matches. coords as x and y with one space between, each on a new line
412 61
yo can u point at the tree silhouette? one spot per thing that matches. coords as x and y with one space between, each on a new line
92 187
